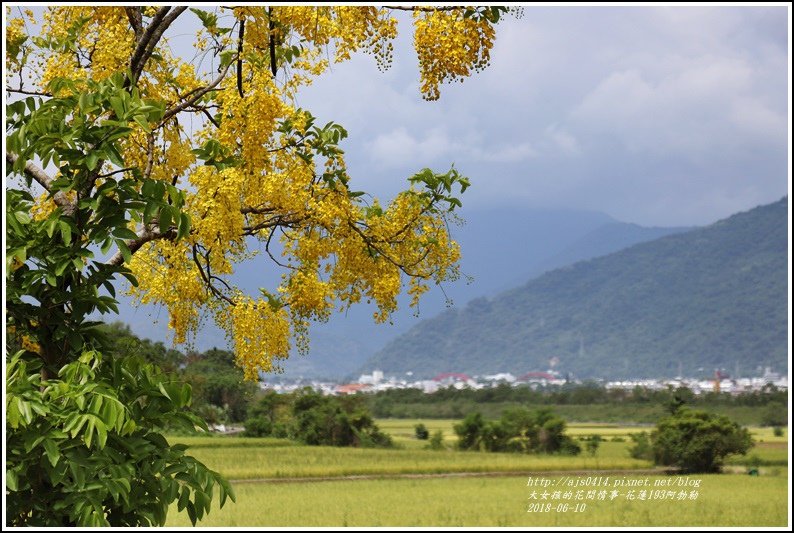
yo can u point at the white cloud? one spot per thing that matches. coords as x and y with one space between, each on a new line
562 140
399 148
704 104
605 108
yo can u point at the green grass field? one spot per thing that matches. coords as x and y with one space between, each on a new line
295 496
722 501
246 462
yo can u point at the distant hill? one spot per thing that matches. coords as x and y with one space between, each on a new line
714 297
501 249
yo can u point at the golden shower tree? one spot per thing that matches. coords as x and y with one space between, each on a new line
126 159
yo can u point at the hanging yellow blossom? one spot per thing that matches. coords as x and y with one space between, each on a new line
215 162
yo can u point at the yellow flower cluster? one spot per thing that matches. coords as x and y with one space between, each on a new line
450 47
101 46
15 36
259 334
334 250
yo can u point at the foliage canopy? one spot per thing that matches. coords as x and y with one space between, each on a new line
180 167
125 159
518 430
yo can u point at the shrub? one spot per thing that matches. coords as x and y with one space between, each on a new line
642 448
436 441
519 430
592 443
314 419
775 414
421 432
697 441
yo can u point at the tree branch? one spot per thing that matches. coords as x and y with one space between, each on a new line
136 20
426 9
144 236
150 37
197 94
23 91
207 277
43 179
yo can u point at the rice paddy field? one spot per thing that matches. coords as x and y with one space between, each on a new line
281 484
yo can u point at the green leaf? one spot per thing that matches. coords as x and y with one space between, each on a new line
184 226
113 154
12 483
66 232
118 106
106 245
124 249
128 428
226 57
61 266
125 233
186 394
102 433
150 211
165 219
91 159
78 473
12 415
164 391
53 454
184 499
143 122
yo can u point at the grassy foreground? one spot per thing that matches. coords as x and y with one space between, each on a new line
722 501
296 497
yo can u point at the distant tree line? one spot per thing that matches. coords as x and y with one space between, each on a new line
449 402
221 396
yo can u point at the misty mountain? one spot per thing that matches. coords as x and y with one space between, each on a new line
713 297
500 249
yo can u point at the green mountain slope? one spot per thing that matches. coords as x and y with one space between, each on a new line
714 297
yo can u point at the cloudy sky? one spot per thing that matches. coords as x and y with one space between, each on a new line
656 115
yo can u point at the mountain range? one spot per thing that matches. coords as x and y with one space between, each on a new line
689 302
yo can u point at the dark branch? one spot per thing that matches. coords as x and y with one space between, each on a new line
144 236
150 37
272 42
119 171
196 95
240 59
425 9
22 91
136 20
206 278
